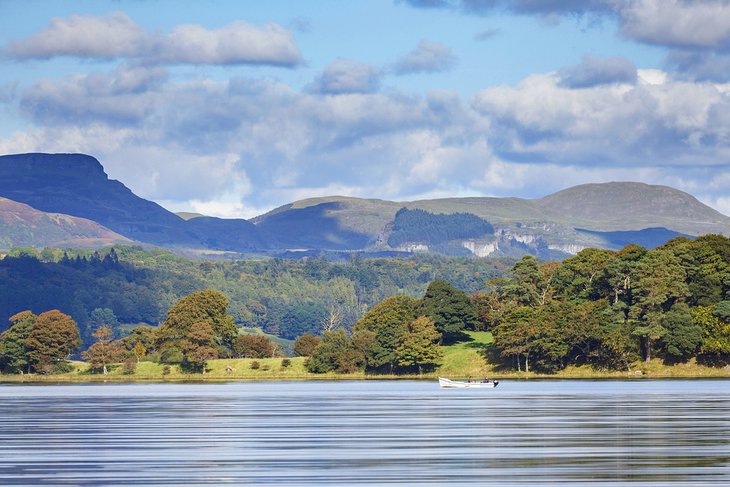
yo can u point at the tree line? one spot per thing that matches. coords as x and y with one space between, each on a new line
126 286
610 309
197 328
400 334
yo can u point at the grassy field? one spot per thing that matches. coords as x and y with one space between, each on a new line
459 362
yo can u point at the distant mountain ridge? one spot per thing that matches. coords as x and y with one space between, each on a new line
606 215
76 184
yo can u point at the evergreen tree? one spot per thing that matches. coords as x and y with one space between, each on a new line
451 310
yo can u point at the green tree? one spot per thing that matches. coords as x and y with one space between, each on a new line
715 346
105 351
97 318
419 344
334 353
514 336
387 320
52 338
206 306
683 336
659 282
451 310
13 349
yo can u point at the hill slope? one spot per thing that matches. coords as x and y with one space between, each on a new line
21 225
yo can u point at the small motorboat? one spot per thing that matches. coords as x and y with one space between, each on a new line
467 383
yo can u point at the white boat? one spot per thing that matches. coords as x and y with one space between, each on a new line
467 383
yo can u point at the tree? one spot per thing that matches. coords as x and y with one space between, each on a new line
139 351
198 346
513 337
100 317
52 338
450 308
254 346
305 345
683 336
13 349
105 351
206 306
335 353
387 320
145 335
715 346
419 344
659 282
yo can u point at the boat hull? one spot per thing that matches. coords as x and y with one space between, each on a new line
460 384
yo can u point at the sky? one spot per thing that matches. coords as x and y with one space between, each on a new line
232 108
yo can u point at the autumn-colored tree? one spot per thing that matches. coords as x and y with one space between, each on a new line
13 350
52 338
198 346
419 344
206 306
139 351
105 351
305 344
254 346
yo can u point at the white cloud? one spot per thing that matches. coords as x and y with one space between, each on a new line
427 57
595 71
678 23
345 76
116 35
237 147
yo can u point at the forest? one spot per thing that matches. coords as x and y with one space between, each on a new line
605 309
126 286
422 226
611 309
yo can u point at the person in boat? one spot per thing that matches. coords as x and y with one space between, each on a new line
486 381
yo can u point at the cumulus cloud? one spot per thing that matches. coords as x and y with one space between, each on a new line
675 23
116 35
595 71
233 148
675 123
345 76
427 57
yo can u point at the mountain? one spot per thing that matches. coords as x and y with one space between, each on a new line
21 225
606 215
76 184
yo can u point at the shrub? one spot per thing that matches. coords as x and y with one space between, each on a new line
166 370
255 365
285 363
129 365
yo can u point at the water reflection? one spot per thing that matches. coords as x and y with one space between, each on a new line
367 433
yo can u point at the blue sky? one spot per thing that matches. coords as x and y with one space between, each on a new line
232 108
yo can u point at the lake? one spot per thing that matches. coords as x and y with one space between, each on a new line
608 433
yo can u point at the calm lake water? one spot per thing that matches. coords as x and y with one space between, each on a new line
381 433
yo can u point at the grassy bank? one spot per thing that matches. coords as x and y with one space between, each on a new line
459 361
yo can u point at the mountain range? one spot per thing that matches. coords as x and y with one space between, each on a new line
68 200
